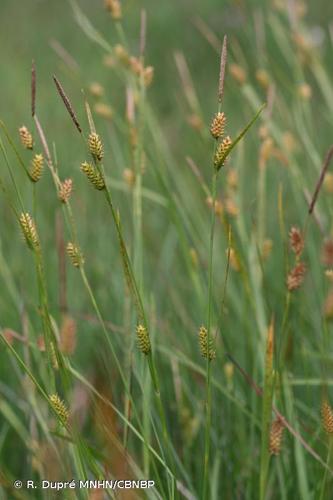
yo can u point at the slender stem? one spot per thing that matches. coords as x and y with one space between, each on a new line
208 365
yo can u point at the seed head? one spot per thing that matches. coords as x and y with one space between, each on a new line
60 408
143 339
275 437
148 75
94 176
222 152
36 170
29 231
114 7
103 110
75 255
95 146
327 416
65 190
296 276
296 241
205 349
218 125
26 137
327 253
238 73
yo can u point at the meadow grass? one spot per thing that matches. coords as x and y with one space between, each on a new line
166 275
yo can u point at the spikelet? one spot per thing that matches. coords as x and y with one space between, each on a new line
238 73
327 416
36 170
296 241
60 408
205 350
296 277
114 7
65 190
275 437
93 175
222 152
143 339
129 176
26 137
148 75
29 230
218 125
95 146
103 110
327 253
75 255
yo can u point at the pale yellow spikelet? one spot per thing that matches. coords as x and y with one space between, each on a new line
96 89
275 437
129 176
65 190
233 259
262 78
75 254
29 230
26 137
36 170
122 54
206 349
238 73
328 183
103 110
148 75
218 125
222 152
327 416
305 91
195 121
60 408
94 176
114 7
143 339
329 274
95 146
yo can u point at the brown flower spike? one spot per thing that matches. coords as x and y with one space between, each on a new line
296 241
296 277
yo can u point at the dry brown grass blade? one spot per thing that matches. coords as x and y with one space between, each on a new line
325 166
67 104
